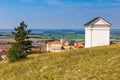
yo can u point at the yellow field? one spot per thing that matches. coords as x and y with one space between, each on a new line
7 39
12 39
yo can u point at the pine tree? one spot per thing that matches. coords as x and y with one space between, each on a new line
22 45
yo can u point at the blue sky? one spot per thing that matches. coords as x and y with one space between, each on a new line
57 14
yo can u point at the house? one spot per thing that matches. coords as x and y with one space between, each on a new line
35 43
35 49
97 32
66 43
5 47
39 46
3 51
78 45
54 46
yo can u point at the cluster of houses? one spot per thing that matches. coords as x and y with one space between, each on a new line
97 33
3 50
59 46
55 46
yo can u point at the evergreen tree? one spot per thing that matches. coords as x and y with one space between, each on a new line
22 45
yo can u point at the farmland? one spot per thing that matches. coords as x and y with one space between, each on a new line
38 34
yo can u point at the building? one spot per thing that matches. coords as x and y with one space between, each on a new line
4 51
54 46
66 43
97 32
78 45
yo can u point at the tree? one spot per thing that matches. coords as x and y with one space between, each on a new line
22 45
62 48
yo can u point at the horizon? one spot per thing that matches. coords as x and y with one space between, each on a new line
56 29
57 14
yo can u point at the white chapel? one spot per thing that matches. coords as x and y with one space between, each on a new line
97 32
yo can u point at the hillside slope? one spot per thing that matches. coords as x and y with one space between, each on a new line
99 63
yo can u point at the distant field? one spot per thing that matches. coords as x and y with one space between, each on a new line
74 36
99 63
55 36
12 39
6 40
35 39
115 37
68 36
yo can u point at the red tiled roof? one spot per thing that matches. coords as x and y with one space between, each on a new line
54 43
5 46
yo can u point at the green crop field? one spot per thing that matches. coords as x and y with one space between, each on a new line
74 36
99 63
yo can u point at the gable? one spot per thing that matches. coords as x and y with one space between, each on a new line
101 22
98 21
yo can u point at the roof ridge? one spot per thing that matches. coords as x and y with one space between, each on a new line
94 20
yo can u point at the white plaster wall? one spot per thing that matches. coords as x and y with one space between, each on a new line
87 37
47 47
97 36
54 47
100 37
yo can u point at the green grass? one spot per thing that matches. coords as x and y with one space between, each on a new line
99 63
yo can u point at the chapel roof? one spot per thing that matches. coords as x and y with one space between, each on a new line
95 20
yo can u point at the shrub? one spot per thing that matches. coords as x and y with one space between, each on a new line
13 54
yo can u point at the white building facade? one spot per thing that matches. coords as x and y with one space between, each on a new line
97 32
54 46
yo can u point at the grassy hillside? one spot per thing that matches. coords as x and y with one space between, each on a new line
100 63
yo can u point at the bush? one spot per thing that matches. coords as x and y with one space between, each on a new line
13 54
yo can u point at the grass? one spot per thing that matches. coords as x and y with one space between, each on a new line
99 63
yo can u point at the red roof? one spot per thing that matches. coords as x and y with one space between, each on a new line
5 46
54 43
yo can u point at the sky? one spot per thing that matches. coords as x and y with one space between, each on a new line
57 14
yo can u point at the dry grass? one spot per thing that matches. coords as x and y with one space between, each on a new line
7 39
99 63
33 55
12 39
